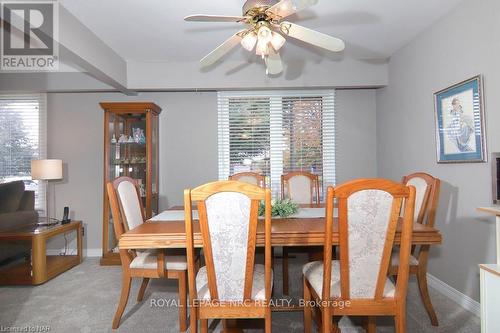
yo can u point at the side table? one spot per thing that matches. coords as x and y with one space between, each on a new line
41 267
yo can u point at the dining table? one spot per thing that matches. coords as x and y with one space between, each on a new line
305 228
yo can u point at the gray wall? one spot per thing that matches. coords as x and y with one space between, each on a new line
459 46
323 70
356 153
188 146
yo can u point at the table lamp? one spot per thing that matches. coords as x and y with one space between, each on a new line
46 170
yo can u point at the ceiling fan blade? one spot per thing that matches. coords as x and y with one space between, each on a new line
286 8
215 18
273 62
312 37
222 49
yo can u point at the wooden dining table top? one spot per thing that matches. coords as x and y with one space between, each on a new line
284 232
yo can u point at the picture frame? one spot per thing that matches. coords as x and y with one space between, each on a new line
460 124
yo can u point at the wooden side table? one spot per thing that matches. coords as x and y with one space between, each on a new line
41 267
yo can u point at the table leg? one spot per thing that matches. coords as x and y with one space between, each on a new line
79 242
38 260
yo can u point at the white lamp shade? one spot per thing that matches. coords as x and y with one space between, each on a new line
46 169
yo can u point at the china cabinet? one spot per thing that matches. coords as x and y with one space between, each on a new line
130 149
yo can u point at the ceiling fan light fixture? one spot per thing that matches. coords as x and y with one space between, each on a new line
266 31
277 41
248 42
262 49
264 34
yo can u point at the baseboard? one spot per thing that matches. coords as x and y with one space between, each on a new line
89 253
461 299
92 253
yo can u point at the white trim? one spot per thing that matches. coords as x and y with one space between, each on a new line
498 238
276 143
461 299
482 290
223 136
41 99
88 253
329 144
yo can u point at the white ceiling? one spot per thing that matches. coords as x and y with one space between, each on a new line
154 30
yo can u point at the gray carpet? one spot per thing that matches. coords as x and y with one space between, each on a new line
84 300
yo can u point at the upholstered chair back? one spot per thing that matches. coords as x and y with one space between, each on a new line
420 194
228 217
130 202
300 187
368 217
249 178
427 195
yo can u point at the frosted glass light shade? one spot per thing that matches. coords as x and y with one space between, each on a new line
264 34
278 41
262 49
249 41
46 169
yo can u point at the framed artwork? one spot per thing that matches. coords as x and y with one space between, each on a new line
459 116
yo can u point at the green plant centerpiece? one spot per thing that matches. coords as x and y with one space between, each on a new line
281 208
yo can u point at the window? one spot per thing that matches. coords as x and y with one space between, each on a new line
22 139
277 132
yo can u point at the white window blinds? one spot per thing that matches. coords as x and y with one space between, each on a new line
276 132
22 139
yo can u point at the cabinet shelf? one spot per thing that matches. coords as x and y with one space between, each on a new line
129 143
130 163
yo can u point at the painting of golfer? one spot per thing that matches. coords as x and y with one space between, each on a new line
459 123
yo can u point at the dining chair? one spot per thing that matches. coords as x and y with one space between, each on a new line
302 188
253 178
358 284
231 285
426 202
127 212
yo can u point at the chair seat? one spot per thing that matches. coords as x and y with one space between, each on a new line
395 259
313 272
149 260
258 285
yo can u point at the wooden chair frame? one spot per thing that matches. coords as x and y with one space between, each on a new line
378 305
261 179
427 216
127 256
314 185
314 194
215 308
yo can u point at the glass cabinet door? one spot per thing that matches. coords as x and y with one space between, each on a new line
154 161
131 150
127 156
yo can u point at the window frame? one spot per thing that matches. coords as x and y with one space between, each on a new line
276 132
40 192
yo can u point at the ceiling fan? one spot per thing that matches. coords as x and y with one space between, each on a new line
265 31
